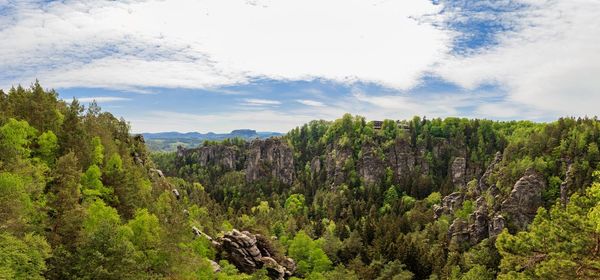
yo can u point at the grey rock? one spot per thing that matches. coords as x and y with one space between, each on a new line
458 231
250 252
524 199
274 269
270 158
478 229
450 203
566 185
371 166
401 157
158 172
334 164
215 266
176 193
227 157
458 171
496 225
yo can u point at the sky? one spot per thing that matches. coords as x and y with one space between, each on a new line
272 65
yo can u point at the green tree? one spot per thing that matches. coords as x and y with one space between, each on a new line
15 140
23 258
562 243
47 146
308 255
106 251
16 203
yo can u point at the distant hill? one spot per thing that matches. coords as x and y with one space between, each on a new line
168 141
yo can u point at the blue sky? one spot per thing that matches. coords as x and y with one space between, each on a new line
272 65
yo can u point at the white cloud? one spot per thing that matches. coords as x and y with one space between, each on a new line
260 102
309 102
102 99
550 64
204 44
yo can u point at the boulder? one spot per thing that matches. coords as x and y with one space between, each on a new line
176 193
158 172
249 252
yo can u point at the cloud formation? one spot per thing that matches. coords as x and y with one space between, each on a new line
535 59
550 62
203 44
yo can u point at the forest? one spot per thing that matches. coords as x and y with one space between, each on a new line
81 197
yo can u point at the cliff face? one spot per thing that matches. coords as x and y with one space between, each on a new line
226 157
270 158
524 199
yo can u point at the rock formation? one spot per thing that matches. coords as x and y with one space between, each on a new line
483 184
479 229
227 157
450 203
270 158
371 166
334 164
524 199
565 185
250 252
520 208
458 171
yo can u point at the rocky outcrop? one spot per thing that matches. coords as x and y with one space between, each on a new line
524 199
224 156
496 225
247 253
270 158
334 164
371 166
458 172
250 252
450 203
483 184
458 231
215 266
566 185
404 159
157 172
478 229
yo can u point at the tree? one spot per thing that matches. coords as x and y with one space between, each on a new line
23 258
16 203
15 138
309 256
395 271
562 243
106 251
47 146
66 219
97 151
